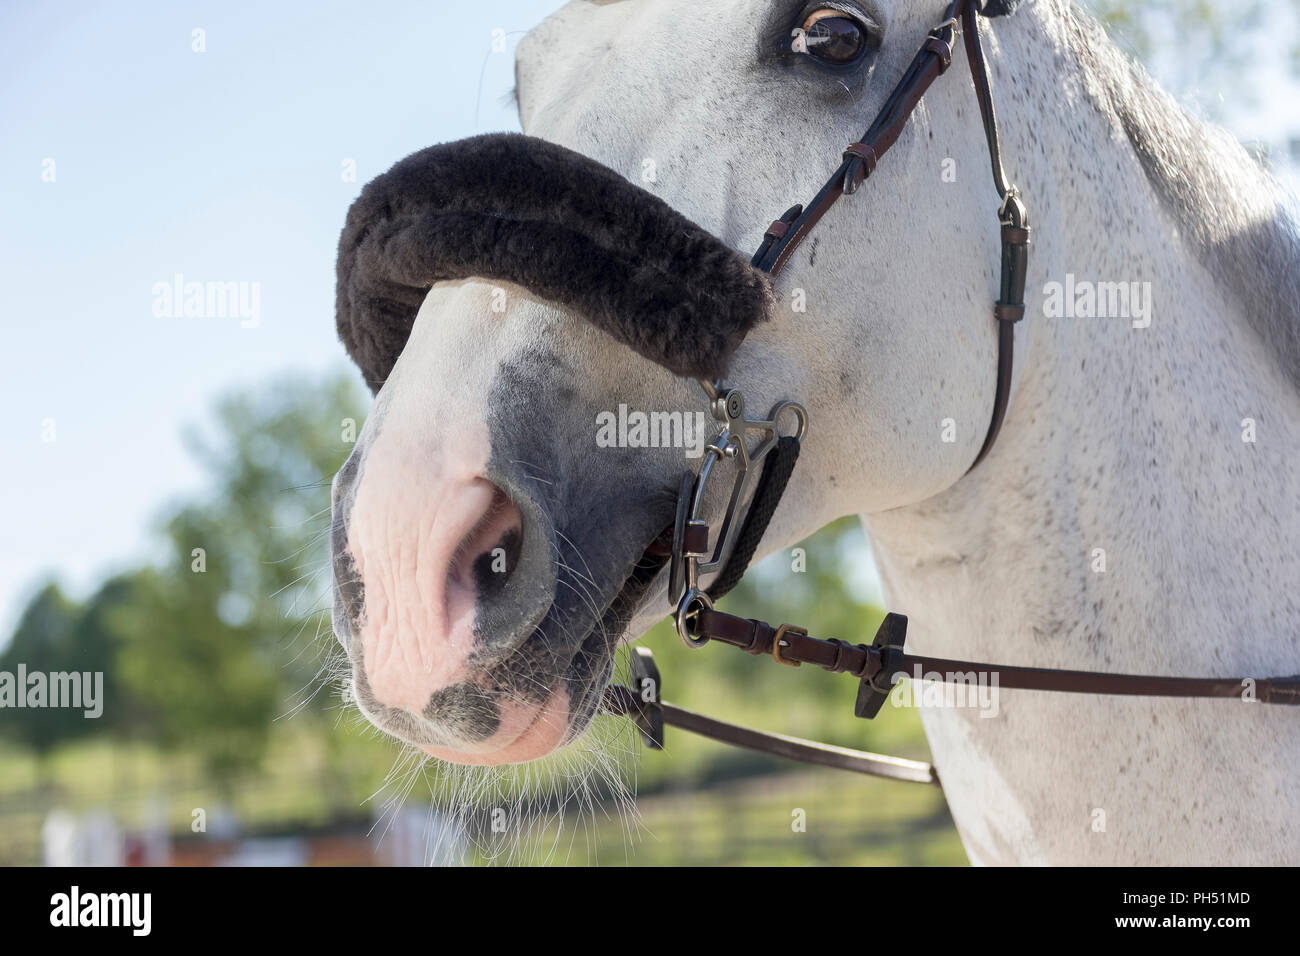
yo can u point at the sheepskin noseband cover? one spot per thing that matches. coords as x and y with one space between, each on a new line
569 229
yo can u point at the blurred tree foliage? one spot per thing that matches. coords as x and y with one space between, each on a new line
227 634
203 651
1208 51
56 634
44 641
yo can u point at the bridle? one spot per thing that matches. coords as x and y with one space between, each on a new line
879 665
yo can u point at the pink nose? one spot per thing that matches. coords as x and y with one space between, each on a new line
428 552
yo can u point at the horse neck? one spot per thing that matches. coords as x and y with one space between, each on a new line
1120 520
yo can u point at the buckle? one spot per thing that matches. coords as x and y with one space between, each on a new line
781 632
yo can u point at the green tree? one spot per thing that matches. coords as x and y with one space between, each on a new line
59 635
43 642
231 631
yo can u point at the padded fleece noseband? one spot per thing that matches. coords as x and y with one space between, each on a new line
571 230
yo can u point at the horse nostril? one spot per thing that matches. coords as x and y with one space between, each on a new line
489 552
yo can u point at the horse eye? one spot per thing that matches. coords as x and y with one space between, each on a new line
830 36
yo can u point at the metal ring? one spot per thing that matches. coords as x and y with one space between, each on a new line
684 614
800 414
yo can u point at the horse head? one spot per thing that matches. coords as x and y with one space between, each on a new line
532 313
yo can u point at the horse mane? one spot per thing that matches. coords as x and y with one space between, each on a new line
1239 220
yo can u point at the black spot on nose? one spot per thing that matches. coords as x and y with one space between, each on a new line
493 567
466 711
349 596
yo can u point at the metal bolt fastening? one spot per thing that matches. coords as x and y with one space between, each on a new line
735 404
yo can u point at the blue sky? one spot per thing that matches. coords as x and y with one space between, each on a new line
222 165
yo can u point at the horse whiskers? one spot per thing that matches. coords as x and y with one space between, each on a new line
523 802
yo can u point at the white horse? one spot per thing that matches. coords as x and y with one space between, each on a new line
1138 514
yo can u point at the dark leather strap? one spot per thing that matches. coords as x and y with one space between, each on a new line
1010 306
623 701
874 664
860 158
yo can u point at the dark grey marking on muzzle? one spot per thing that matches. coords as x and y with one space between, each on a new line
569 229
593 666
456 715
394 720
465 710
597 510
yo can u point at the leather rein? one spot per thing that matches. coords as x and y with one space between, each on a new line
882 663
